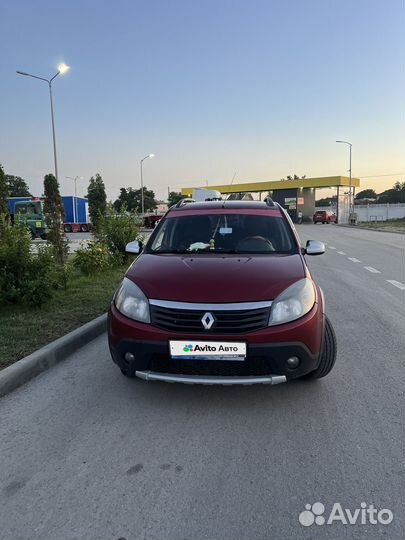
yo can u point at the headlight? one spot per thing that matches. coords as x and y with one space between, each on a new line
293 303
131 301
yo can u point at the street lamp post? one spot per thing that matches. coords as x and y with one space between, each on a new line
142 198
350 174
62 68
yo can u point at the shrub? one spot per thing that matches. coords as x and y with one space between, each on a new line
92 259
54 213
115 231
25 277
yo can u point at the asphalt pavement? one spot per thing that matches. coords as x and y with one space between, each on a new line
75 240
88 454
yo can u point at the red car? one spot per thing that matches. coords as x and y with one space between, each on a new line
324 216
222 294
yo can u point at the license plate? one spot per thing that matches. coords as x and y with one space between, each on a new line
207 350
38 224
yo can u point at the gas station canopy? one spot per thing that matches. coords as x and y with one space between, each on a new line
252 187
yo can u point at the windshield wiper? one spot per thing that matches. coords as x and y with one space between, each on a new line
166 251
217 252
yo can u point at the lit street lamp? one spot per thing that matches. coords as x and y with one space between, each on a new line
142 199
62 68
75 179
350 174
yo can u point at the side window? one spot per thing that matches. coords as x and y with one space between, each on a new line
21 209
164 235
157 244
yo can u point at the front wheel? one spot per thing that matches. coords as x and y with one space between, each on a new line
328 354
128 373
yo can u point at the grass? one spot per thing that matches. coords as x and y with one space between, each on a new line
24 330
396 225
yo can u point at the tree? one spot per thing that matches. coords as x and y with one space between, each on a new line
174 197
55 215
121 202
17 186
327 201
394 195
399 186
3 193
97 198
295 177
366 194
131 200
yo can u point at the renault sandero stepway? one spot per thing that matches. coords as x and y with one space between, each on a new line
222 294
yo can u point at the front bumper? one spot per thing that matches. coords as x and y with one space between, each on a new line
209 379
266 361
267 352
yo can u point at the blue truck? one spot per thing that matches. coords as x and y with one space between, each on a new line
29 210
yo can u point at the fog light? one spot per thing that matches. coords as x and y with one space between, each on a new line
129 357
293 362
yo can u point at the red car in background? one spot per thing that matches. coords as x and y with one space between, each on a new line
222 294
324 216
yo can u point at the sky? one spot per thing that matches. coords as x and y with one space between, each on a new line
217 89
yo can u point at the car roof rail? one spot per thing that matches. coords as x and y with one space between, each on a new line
269 201
183 201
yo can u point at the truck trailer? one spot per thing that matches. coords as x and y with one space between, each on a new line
76 214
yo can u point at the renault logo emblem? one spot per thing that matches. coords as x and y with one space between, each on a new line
207 320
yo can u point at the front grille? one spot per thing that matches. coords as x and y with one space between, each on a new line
226 322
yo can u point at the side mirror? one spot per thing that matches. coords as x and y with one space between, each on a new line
134 247
314 247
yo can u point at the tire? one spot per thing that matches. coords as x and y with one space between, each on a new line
328 354
67 228
129 374
84 227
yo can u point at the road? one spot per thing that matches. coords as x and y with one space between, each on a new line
88 454
75 240
78 240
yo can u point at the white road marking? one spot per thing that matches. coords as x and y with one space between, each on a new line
331 247
397 284
353 259
371 269
341 252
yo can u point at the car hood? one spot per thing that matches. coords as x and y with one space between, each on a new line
215 278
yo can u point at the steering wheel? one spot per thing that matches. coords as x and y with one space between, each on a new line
255 243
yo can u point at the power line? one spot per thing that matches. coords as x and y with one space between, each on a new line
381 175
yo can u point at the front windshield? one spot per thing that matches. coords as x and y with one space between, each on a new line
29 208
223 233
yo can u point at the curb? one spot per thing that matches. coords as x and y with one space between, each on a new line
29 367
359 228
